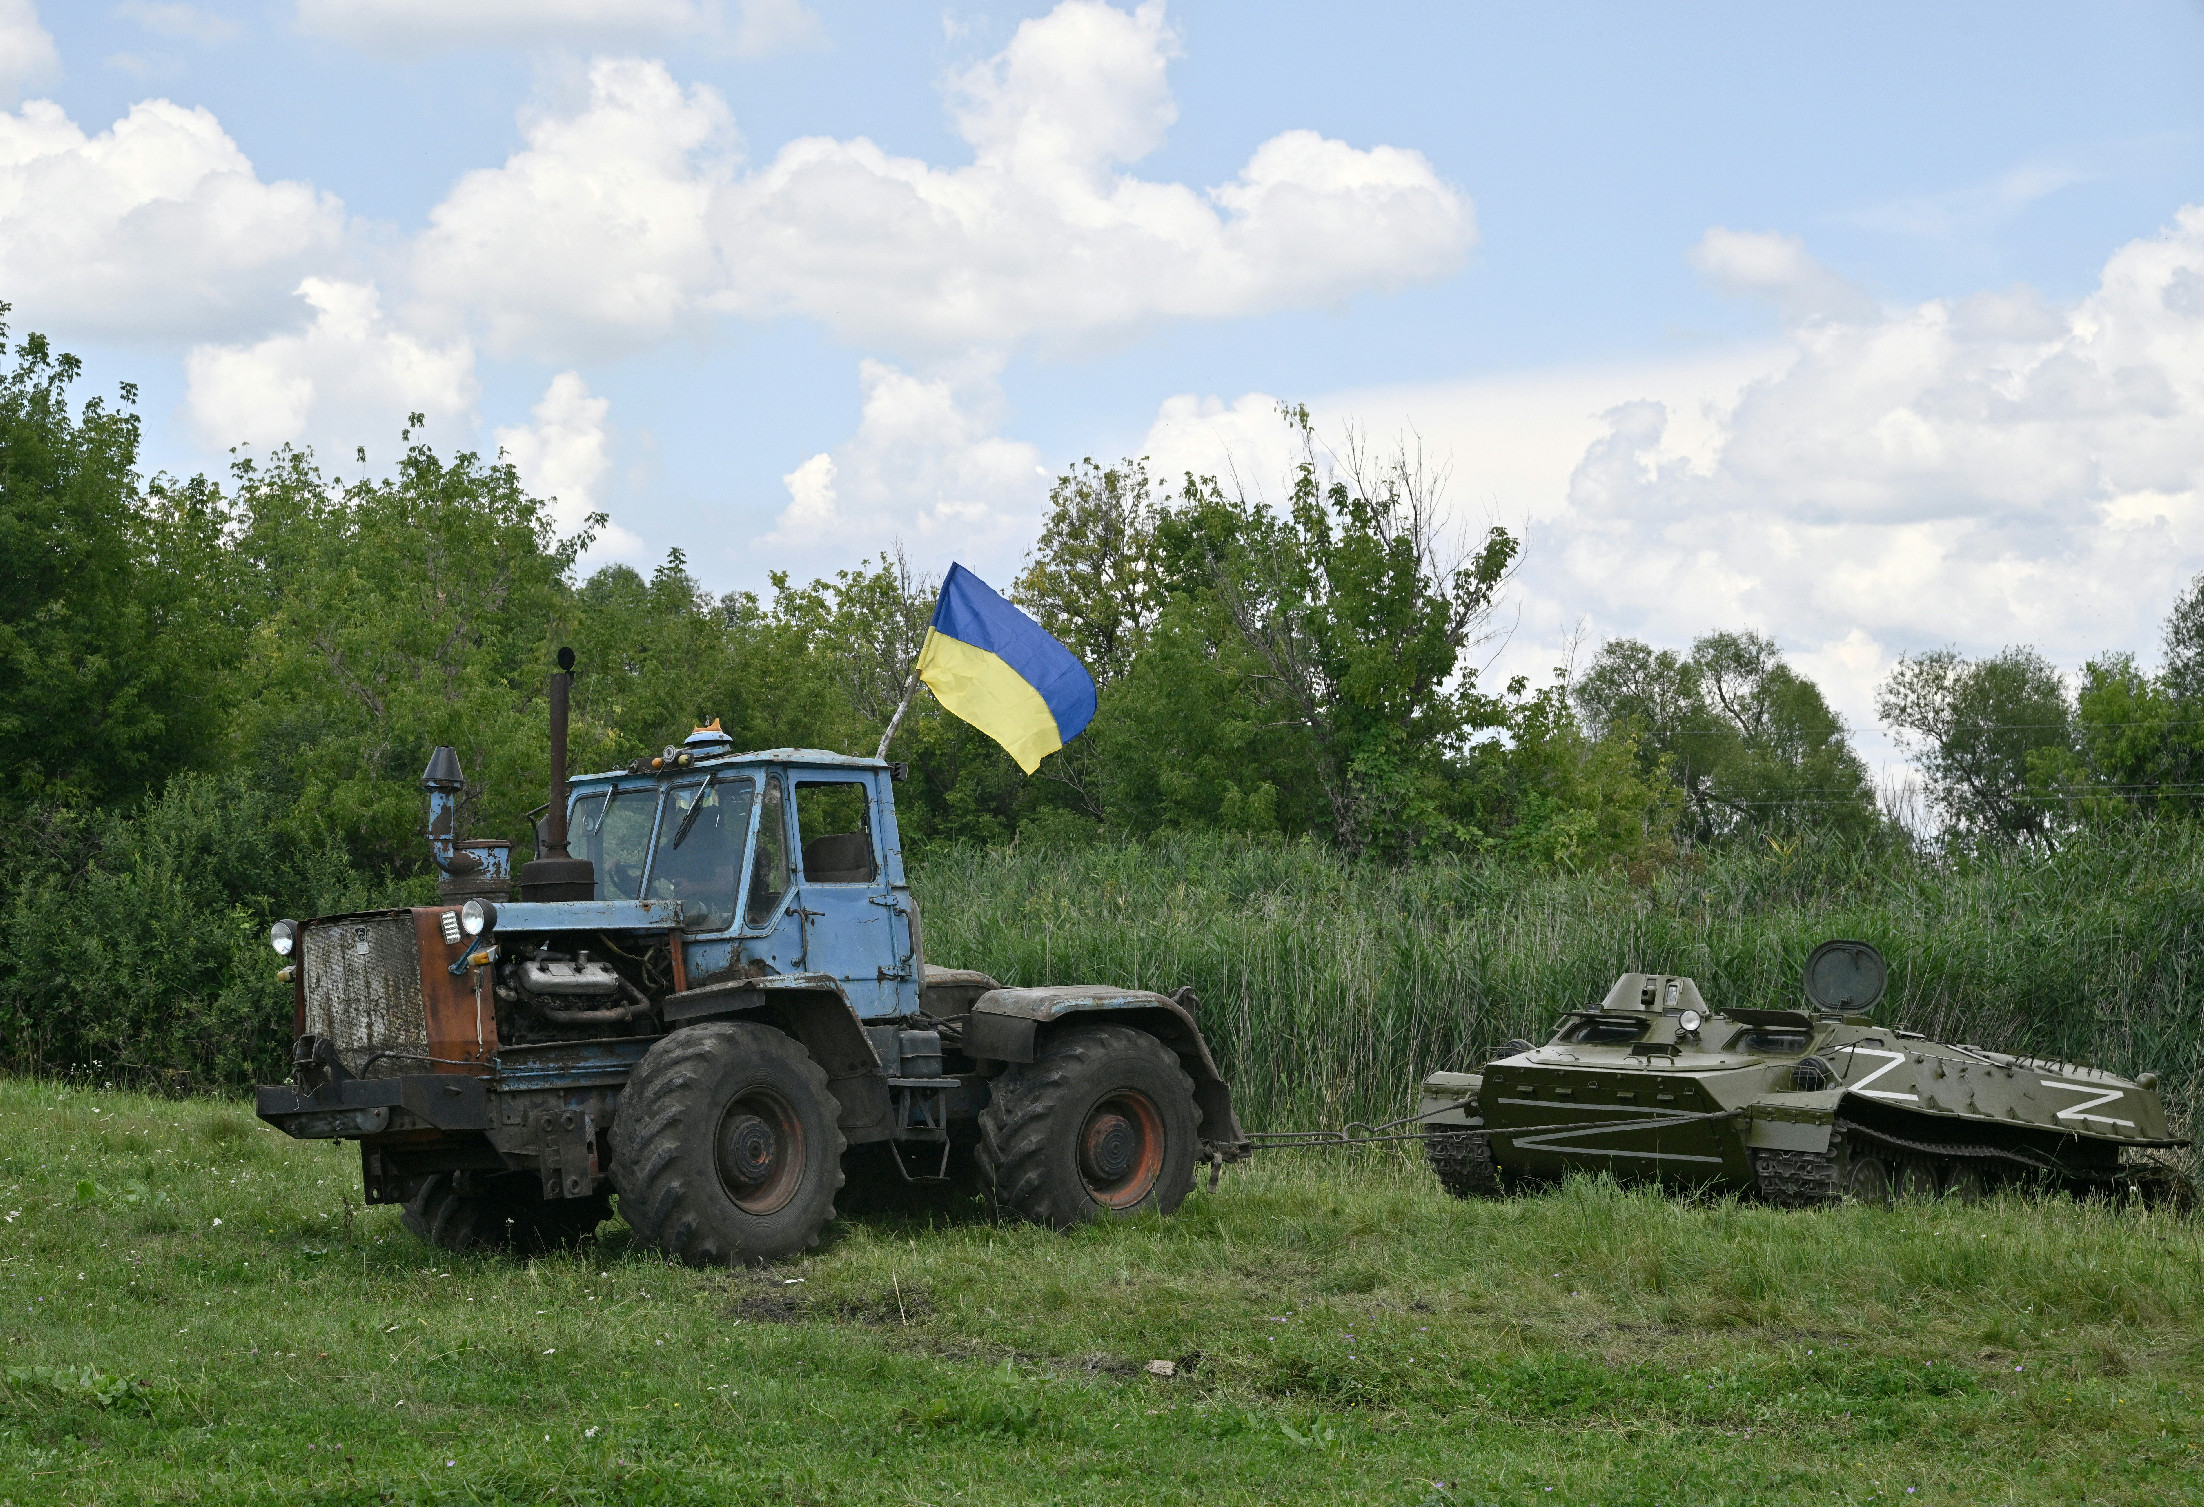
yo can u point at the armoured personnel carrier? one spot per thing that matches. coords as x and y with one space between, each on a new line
1799 1106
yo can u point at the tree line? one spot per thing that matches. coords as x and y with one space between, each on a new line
1304 669
220 693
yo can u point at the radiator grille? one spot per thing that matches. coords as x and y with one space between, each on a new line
363 992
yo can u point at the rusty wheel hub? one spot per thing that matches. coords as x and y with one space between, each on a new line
760 1152
1121 1149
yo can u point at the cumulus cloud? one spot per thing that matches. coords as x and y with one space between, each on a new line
27 55
158 225
347 376
416 28
565 455
2001 468
1979 471
926 466
631 216
596 236
1777 268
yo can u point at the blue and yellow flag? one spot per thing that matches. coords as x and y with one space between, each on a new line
1000 671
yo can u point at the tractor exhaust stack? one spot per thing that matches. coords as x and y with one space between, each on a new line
552 874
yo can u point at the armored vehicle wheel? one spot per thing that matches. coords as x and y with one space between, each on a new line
500 1211
1967 1183
1914 1178
1102 1123
1463 1161
727 1146
1867 1179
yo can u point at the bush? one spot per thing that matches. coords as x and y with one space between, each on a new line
133 943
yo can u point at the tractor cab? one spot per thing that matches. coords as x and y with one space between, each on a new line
780 862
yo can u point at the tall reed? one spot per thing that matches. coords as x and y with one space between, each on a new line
1328 988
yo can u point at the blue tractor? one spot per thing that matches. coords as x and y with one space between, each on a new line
711 986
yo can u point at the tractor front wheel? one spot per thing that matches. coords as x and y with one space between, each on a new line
1101 1124
727 1147
500 1211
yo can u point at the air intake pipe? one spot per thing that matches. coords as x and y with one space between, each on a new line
552 874
465 868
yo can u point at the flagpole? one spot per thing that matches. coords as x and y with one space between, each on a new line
896 721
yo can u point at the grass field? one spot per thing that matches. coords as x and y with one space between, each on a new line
198 1310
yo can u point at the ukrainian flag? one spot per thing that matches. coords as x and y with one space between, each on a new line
997 669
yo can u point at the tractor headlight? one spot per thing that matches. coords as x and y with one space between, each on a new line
477 917
1691 1022
283 936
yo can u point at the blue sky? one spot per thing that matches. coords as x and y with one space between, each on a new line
1869 327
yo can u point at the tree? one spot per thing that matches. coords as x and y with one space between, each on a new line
1986 733
398 614
1094 579
1751 744
1359 613
111 669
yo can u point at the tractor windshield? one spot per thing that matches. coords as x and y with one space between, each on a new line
700 851
613 831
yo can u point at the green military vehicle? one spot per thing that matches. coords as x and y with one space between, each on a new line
1799 1106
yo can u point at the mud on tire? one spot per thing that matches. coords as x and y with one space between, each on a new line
1102 1123
727 1146
500 1211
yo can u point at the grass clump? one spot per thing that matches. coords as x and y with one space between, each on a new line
195 1315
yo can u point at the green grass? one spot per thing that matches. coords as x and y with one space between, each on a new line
197 1310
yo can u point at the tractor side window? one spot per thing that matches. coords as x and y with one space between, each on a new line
700 852
834 821
769 870
614 834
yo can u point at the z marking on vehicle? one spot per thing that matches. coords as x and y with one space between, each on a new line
1880 1093
1547 1140
2104 1096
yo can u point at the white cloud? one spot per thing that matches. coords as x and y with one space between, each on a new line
596 235
630 217
347 379
27 55
172 18
156 226
566 455
1777 268
416 28
927 467
763 27
1979 471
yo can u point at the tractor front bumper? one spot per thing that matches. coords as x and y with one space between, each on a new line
349 1108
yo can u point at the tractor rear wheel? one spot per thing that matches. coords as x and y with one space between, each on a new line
727 1147
1102 1123
500 1211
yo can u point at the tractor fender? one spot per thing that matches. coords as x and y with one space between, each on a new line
1008 1025
812 1008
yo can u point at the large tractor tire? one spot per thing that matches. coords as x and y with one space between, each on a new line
500 1211
1101 1124
727 1147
